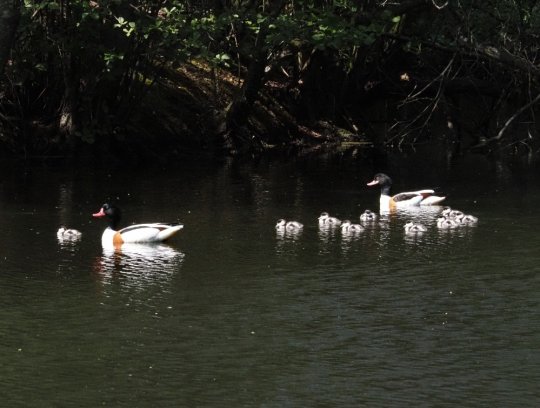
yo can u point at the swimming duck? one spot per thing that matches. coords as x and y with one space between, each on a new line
466 219
347 226
139 233
447 223
412 227
283 225
450 213
68 234
407 199
326 221
368 216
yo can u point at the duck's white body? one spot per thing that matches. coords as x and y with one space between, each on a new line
134 234
326 221
347 226
402 200
139 233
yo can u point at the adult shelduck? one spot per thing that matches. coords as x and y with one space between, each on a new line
407 199
139 233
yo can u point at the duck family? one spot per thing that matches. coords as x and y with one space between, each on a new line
448 218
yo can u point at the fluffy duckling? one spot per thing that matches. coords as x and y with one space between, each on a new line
447 223
467 219
283 225
326 221
68 234
368 216
347 226
447 212
413 228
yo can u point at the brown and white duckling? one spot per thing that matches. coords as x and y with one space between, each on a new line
68 234
448 212
368 216
283 225
412 228
347 226
467 219
447 223
326 221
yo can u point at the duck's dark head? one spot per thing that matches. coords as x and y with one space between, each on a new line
111 212
382 180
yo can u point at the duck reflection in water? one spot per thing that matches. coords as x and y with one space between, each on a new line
288 233
139 264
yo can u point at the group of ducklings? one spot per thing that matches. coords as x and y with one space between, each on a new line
448 219
328 222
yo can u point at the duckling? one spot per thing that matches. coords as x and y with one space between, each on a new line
447 212
447 223
413 228
288 225
467 219
368 216
68 234
326 221
347 226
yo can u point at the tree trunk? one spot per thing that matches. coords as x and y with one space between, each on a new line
239 110
9 20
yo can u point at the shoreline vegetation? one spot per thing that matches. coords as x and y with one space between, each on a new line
139 79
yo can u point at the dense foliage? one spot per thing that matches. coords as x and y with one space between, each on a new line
92 72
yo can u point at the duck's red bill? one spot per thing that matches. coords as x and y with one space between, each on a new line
372 183
101 213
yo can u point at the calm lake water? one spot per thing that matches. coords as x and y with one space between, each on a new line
231 314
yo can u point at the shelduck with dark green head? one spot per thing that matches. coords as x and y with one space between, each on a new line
400 200
138 233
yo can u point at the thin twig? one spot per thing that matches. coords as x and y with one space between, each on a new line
513 117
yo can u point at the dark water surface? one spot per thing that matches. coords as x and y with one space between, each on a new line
230 314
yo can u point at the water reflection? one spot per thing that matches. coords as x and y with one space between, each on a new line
68 242
284 234
421 214
415 237
350 238
139 264
328 233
